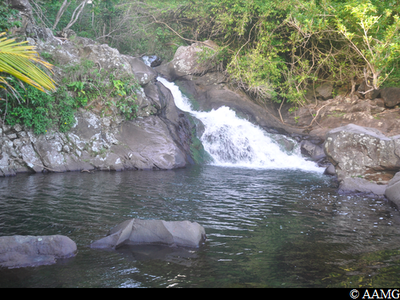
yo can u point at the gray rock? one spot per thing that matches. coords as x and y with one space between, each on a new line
391 96
325 90
357 151
360 185
330 170
147 144
28 251
23 6
143 73
312 150
185 61
137 232
392 191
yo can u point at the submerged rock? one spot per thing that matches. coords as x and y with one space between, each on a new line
28 251
136 232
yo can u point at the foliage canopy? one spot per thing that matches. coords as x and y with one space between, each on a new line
272 49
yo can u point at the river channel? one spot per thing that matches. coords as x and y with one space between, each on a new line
265 228
271 217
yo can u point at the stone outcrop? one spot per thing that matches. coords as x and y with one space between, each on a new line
392 191
98 144
29 251
139 232
355 185
324 91
362 157
361 154
159 138
319 117
391 96
186 61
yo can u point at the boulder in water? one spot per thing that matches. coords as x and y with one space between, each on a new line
136 232
361 186
393 190
27 251
361 152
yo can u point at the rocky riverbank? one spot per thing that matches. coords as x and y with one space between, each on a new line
158 138
355 137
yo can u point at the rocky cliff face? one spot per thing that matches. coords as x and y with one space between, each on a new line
364 159
159 138
98 144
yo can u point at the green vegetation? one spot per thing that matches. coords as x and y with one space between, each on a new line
39 110
82 86
8 17
273 50
39 105
276 49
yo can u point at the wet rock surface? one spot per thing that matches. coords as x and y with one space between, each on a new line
163 134
29 251
98 144
139 232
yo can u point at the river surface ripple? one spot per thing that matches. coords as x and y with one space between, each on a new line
265 228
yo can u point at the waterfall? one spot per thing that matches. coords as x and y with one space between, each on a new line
235 142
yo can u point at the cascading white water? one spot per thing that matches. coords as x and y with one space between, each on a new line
232 141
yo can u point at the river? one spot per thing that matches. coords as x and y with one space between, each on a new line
271 217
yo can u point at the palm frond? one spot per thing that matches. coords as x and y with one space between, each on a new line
19 60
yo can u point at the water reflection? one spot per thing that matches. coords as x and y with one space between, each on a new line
265 229
181 256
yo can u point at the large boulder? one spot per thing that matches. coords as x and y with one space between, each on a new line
393 190
362 152
139 232
312 150
67 52
28 251
365 159
320 116
391 96
361 186
324 91
22 5
186 61
143 73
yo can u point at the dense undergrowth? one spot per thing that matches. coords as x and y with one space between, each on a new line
274 50
81 86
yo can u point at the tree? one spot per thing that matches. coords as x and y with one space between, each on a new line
18 59
375 39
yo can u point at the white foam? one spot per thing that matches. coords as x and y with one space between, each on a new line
235 142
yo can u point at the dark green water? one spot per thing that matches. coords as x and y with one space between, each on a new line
265 228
